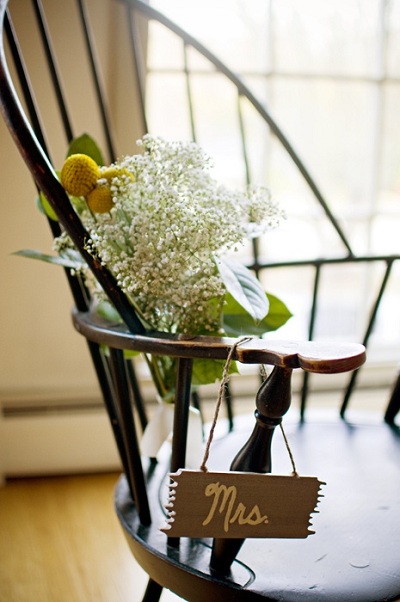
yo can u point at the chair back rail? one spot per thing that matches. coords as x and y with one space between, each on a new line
37 154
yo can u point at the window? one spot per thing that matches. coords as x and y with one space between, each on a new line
330 75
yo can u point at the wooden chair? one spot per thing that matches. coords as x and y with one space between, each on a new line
354 554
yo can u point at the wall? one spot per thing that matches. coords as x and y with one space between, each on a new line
44 363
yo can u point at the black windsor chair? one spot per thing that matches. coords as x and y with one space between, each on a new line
354 554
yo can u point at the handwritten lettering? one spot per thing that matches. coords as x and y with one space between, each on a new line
224 502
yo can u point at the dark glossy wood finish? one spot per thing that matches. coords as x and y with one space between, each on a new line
355 552
311 356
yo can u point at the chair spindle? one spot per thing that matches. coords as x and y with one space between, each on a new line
272 402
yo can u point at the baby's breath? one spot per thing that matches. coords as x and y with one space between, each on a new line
169 221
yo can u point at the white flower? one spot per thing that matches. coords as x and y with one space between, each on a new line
167 226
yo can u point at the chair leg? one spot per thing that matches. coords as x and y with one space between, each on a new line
153 592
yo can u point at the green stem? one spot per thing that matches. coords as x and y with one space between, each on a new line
138 311
156 375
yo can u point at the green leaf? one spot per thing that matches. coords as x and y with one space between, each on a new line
107 311
79 203
237 322
244 287
70 260
207 371
45 207
278 313
87 146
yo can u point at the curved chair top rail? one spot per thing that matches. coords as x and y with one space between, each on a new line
310 356
244 92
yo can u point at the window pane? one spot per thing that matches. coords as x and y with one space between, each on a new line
167 96
392 23
242 22
165 50
326 37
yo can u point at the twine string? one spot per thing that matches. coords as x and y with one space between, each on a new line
224 382
263 372
294 471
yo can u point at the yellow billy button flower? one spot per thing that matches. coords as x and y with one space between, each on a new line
99 199
79 174
113 172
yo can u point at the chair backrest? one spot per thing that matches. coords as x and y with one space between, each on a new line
48 121
107 115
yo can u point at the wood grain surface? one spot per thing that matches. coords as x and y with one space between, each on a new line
61 541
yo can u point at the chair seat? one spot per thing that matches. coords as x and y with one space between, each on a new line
354 554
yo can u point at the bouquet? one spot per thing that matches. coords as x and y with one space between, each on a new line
169 234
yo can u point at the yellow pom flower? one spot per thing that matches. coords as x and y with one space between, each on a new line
79 174
113 172
99 199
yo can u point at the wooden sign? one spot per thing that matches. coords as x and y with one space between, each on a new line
240 505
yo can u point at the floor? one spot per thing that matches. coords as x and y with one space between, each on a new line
61 542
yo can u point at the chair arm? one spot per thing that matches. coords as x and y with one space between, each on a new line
309 355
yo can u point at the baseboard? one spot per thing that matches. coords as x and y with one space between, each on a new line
61 443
